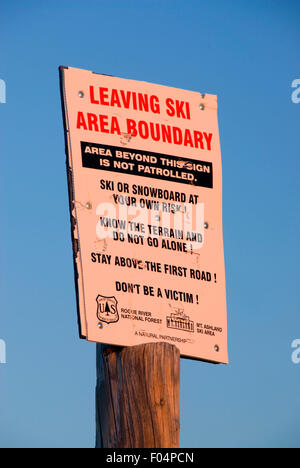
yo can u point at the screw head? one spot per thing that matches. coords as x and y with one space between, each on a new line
81 94
217 348
88 206
100 325
206 225
202 107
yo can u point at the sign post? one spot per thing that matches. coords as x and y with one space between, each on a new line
137 396
145 188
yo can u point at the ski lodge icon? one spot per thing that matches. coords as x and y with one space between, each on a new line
180 321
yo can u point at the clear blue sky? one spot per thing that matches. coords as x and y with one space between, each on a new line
246 52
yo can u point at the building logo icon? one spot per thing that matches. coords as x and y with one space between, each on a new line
107 309
180 321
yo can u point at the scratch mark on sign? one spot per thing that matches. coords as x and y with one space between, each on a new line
125 138
105 246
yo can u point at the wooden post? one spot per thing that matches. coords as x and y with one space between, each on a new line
137 396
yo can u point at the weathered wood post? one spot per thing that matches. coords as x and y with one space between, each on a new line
137 396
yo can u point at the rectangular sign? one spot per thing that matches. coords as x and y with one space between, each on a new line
145 191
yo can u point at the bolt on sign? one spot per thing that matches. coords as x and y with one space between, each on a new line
145 190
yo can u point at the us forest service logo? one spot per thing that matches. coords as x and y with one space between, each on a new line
107 309
180 321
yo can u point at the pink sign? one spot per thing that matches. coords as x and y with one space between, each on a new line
145 186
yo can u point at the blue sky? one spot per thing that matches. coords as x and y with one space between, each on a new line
246 52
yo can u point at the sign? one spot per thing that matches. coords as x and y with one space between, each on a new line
145 190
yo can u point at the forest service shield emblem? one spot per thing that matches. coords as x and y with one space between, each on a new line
107 309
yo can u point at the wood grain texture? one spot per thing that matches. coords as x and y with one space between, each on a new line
137 396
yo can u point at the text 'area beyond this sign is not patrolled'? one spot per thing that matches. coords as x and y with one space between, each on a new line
145 187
